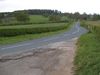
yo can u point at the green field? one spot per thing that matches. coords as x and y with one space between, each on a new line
34 19
87 60
94 23
13 31
38 19
19 38
31 29
32 26
50 29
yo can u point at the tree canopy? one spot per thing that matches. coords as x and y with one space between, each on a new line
22 16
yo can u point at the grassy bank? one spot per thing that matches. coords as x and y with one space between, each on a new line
87 60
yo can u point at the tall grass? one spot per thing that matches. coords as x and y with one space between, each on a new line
87 60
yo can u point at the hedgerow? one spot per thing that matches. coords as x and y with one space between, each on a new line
30 30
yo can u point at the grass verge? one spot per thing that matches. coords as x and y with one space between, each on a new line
87 60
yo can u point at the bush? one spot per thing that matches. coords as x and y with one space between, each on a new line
22 16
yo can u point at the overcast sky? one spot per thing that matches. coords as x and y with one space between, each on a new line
88 6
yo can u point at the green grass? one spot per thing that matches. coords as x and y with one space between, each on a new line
15 39
32 26
38 19
19 38
95 23
31 29
87 60
34 19
38 26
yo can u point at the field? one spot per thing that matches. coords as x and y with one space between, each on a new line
49 30
34 19
38 26
32 26
87 60
20 38
31 29
95 23
38 19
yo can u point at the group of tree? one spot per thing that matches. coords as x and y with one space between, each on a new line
54 15
55 18
45 12
23 15
84 16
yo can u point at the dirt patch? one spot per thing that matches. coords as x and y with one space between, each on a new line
54 59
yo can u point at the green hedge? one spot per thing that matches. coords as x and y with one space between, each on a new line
32 30
26 23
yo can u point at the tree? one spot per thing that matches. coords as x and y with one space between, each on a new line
96 17
1 17
76 15
22 16
84 16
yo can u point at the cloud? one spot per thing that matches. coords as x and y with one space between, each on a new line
2 0
88 6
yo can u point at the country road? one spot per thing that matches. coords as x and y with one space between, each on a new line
46 56
75 31
56 59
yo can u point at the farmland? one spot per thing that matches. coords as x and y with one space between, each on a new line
38 19
87 60
30 29
58 28
34 19
37 27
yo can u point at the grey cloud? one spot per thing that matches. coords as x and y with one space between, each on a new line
2 0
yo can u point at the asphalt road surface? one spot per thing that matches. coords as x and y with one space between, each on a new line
75 31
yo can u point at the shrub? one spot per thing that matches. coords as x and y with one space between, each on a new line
22 16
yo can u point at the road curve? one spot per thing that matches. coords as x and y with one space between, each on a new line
75 31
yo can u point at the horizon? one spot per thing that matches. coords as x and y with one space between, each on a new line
49 9
70 6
